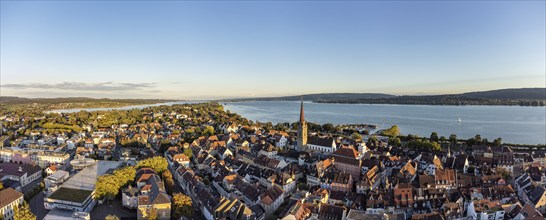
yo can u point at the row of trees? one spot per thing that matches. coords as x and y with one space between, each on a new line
108 186
433 141
424 145
157 163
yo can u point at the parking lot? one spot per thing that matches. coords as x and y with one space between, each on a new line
113 208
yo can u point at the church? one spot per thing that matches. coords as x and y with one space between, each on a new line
315 144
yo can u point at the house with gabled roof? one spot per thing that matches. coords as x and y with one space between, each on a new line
233 209
9 200
152 196
537 197
527 212
345 160
271 199
445 178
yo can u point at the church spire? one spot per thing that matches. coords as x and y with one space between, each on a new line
302 129
302 116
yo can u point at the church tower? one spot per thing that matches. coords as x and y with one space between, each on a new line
302 129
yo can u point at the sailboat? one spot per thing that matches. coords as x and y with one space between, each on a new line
459 121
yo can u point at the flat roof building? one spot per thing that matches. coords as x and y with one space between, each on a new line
76 194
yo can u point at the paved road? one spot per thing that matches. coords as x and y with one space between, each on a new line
37 206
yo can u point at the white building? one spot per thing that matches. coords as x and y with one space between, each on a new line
130 197
484 214
10 200
57 178
23 173
323 145
272 199
45 159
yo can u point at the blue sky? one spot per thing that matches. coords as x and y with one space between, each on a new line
195 50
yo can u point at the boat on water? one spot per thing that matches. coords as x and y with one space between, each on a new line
459 121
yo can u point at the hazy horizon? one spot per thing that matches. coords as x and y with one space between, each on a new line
213 50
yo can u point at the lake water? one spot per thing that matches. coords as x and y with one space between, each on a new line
514 124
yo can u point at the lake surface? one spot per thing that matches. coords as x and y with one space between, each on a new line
514 124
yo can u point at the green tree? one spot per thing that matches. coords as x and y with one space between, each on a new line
434 136
372 141
442 139
23 213
169 182
453 138
107 186
188 152
412 137
125 175
295 125
208 131
395 141
328 127
392 131
280 127
423 145
157 163
356 136
497 142
182 206
478 139
471 141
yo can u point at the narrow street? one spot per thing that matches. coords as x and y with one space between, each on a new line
37 206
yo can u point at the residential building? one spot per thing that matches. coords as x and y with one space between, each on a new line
345 160
9 200
233 209
22 173
56 179
272 199
45 159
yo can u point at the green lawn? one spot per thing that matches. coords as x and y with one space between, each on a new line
69 194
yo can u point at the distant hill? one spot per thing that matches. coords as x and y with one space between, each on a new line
19 100
524 93
319 97
523 96
16 104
